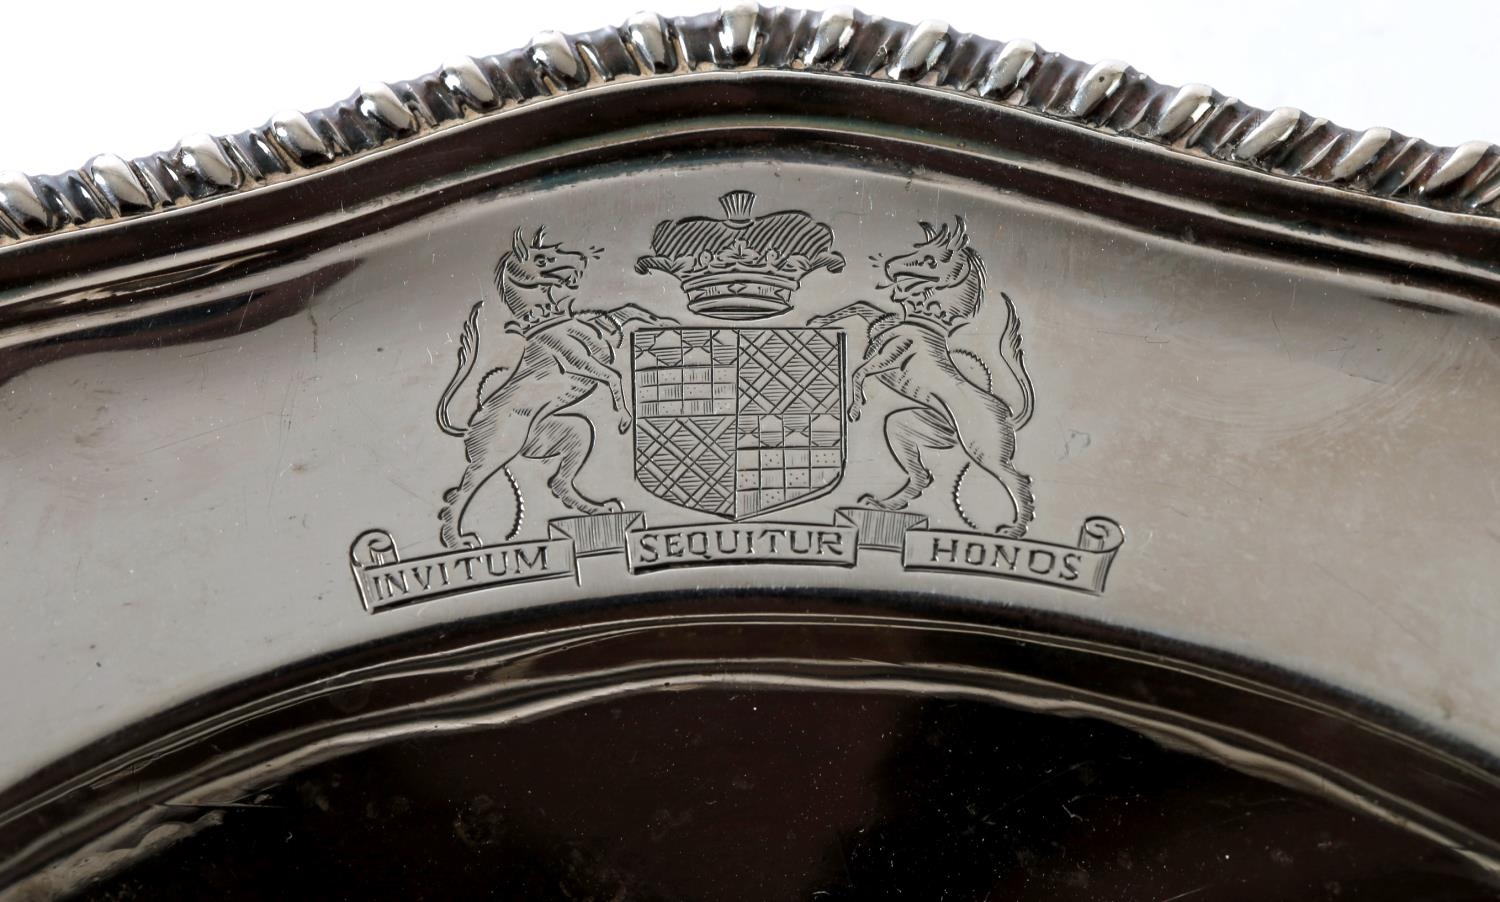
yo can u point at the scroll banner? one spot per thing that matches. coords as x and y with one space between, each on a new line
385 581
1083 567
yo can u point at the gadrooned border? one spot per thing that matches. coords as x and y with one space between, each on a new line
1109 97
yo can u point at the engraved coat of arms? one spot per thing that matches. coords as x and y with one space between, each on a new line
740 423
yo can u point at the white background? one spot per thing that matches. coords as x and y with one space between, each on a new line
132 78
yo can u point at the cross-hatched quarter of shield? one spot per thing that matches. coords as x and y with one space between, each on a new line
794 371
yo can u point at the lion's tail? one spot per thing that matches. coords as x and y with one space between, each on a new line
468 347
1010 352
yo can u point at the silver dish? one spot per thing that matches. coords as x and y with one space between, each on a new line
461 470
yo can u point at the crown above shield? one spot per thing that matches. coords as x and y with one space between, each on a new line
741 266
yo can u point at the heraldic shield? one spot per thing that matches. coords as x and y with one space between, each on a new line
737 421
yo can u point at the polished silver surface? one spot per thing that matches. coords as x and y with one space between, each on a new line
793 321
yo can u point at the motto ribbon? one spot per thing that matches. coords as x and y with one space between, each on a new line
385 581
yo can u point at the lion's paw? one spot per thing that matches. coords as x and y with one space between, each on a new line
869 500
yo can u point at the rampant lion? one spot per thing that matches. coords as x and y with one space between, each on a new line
566 356
939 286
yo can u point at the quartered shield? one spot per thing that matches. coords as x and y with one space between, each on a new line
738 422
769 454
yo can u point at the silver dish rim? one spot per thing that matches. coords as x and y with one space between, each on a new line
1108 97
511 667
